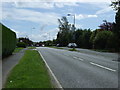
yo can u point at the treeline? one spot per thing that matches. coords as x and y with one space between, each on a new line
102 38
24 42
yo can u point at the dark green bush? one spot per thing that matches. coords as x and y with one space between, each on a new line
21 44
8 41
104 40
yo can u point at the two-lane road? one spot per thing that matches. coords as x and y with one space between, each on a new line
80 70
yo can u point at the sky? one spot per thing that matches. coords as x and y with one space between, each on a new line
38 19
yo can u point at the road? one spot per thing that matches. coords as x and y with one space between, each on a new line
104 54
80 70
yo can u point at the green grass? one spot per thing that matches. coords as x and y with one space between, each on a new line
31 47
55 47
18 49
30 72
73 49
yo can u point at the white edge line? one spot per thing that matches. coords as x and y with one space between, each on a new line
58 83
103 67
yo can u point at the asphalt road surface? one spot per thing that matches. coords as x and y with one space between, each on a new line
80 70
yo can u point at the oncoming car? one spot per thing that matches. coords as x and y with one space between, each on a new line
71 45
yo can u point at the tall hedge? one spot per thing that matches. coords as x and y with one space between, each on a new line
8 41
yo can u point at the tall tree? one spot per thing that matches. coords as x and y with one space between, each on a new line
106 26
63 36
63 24
116 6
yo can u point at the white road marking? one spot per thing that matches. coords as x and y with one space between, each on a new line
75 57
81 59
58 83
102 66
78 58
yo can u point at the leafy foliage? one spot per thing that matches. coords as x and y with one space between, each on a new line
27 41
106 26
116 29
104 40
116 5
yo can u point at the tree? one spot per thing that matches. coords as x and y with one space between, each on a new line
63 36
116 6
78 37
92 37
27 41
106 26
63 24
104 40
86 38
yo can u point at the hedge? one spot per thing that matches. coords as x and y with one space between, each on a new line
0 42
8 41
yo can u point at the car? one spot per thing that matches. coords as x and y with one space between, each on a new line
71 45
43 45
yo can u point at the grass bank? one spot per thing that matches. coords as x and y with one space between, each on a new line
17 49
30 72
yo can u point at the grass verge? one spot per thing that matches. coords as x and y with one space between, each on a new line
73 49
30 72
31 47
18 49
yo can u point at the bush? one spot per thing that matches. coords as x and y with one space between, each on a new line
8 41
104 40
21 44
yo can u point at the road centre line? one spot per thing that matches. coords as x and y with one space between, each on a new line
78 58
75 57
81 59
102 67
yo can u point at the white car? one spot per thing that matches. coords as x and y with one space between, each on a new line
43 45
71 45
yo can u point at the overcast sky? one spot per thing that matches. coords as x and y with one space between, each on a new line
37 19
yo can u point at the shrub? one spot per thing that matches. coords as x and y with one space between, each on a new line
104 40
8 41
21 44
